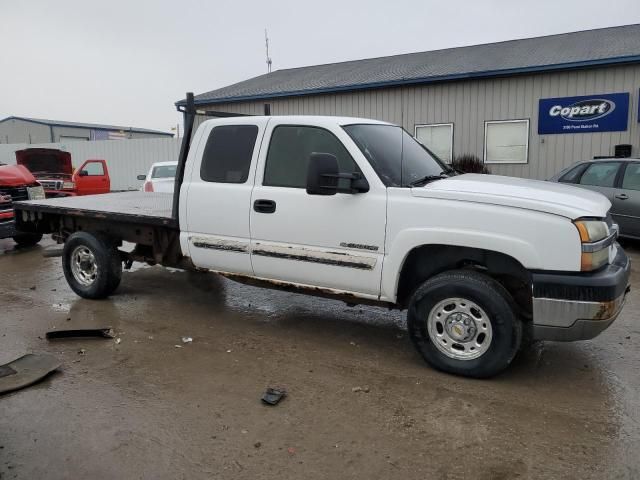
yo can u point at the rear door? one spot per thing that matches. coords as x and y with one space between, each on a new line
218 194
626 200
334 242
92 178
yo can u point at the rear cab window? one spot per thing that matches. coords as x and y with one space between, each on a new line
164 171
228 153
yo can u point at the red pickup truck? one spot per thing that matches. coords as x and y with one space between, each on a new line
17 183
53 169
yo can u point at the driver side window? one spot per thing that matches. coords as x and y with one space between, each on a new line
289 152
94 169
600 174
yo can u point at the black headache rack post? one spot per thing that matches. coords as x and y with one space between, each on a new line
189 113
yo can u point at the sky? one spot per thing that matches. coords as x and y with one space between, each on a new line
126 62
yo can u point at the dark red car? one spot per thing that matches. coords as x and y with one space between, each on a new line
17 183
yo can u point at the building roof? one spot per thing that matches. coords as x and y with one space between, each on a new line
604 46
92 126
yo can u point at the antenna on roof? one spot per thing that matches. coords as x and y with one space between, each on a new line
266 42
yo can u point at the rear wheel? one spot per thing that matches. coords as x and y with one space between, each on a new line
27 239
91 264
464 322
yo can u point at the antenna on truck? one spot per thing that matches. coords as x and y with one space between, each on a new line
188 115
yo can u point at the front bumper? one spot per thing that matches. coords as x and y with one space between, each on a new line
579 306
7 229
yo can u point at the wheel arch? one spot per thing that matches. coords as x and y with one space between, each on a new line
424 261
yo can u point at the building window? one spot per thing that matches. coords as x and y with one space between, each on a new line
227 154
437 137
506 141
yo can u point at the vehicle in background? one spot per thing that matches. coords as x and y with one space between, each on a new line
618 179
53 169
161 177
17 183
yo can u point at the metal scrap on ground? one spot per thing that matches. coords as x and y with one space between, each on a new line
26 370
273 395
105 332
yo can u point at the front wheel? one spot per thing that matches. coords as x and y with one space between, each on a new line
464 322
91 264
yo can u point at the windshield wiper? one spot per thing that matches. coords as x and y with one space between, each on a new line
428 178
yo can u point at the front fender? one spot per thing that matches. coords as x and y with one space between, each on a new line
407 240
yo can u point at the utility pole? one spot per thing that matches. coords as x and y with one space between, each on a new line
266 42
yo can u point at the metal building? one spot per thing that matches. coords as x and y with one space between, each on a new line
527 107
36 130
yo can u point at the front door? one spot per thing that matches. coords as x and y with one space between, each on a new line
92 178
601 177
626 200
334 242
216 195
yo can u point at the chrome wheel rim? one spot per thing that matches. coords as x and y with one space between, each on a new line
84 266
459 328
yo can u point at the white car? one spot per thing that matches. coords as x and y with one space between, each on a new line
161 177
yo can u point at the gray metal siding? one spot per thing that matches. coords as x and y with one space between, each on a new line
468 104
16 130
19 131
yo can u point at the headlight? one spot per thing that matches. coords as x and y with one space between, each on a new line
596 239
35 193
68 185
591 230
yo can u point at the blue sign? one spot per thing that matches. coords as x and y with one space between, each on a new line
593 113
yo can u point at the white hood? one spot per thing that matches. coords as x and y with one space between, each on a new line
549 197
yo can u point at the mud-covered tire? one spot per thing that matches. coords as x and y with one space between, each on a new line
27 239
492 303
98 273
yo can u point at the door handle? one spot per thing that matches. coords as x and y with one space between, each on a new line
264 206
622 196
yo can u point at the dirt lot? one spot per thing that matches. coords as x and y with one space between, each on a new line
145 408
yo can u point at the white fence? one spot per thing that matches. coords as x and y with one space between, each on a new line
126 159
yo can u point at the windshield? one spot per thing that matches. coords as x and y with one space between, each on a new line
398 158
164 171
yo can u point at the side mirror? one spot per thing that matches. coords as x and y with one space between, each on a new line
141 177
83 173
322 174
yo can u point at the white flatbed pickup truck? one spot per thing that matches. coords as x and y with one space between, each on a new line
358 210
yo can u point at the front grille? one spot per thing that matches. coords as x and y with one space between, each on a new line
51 184
16 194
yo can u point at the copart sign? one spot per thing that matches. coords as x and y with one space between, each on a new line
607 112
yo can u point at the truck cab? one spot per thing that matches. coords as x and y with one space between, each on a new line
55 172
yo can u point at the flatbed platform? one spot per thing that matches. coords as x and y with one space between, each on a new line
132 207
